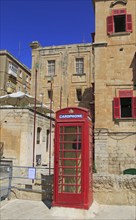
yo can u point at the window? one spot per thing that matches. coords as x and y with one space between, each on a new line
12 70
27 78
38 159
50 94
51 67
20 74
79 94
38 135
119 21
125 105
79 66
47 140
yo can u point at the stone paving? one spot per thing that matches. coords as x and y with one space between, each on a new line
31 210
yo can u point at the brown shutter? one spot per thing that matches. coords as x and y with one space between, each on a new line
116 107
110 25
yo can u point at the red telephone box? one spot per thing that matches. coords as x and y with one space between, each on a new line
73 158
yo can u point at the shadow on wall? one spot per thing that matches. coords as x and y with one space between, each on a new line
47 187
87 100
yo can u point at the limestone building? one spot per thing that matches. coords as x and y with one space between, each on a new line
115 85
64 74
17 135
14 76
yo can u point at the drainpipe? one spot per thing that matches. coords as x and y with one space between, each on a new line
34 116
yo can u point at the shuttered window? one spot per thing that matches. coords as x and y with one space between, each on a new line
119 21
125 105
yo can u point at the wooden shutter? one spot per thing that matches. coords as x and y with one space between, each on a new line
116 107
129 23
119 11
115 12
110 25
134 107
122 11
125 93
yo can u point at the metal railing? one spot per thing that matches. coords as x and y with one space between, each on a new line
5 179
24 178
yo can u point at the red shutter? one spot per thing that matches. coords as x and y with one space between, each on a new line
115 12
134 107
119 11
116 107
125 93
110 25
129 23
122 11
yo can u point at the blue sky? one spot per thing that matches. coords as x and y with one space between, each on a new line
51 22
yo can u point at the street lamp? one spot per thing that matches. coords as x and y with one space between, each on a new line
50 80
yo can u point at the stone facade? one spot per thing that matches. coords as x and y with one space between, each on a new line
115 77
67 82
17 129
14 76
115 189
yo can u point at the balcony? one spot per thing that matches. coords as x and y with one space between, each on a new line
12 71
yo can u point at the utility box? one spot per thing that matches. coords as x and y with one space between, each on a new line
73 158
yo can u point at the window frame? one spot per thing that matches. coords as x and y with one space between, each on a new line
79 66
117 104
50 94
78 90
111 22
38 138
51 67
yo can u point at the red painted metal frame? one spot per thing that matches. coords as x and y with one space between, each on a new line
78 199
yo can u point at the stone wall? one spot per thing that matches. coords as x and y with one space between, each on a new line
115 189
17 136
114 151
65 79
115 139
108 190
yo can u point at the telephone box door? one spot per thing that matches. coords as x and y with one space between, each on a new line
68 163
